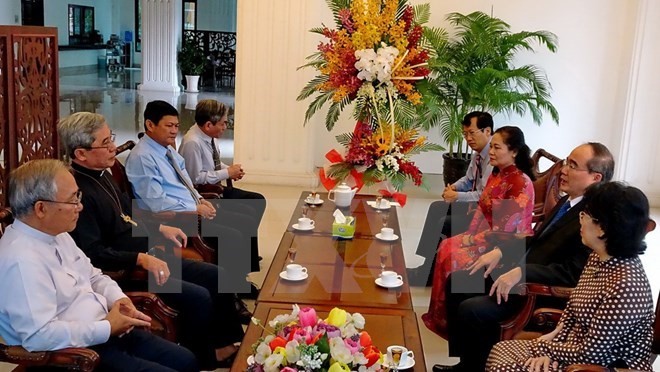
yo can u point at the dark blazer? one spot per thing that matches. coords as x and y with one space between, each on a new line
556 256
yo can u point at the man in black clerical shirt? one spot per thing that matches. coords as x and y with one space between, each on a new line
113 240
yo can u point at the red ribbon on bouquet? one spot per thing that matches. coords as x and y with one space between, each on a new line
329 183
396 196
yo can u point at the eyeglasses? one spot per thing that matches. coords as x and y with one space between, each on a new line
584 214
472 133
76 201
106 143
573 166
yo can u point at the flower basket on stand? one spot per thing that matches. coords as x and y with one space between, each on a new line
374 59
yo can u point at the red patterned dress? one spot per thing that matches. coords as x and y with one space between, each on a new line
506 204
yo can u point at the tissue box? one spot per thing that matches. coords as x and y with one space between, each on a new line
344 230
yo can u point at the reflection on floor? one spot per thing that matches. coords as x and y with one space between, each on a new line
122 107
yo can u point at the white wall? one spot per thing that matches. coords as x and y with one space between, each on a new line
10 12
216 15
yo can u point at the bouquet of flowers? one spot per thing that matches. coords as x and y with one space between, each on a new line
303 342
374 58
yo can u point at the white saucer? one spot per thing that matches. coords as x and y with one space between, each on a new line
393 238
303 277
308 201
374 205
295 226
396 284
250 360
410 364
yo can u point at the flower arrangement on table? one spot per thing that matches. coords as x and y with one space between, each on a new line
374 58
301 341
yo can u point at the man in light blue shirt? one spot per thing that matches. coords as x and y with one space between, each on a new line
52 297
453 214
161 183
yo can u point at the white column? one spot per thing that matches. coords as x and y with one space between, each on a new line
161 33
270 140
639 159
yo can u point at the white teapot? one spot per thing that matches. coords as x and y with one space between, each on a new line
343 195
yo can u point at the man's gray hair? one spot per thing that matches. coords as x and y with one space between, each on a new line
77 131
31 182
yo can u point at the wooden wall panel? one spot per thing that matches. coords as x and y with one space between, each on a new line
29 97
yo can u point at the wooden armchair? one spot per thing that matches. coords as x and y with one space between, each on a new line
196 248
83 359
546 185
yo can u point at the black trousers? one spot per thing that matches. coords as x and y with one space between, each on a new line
243 210
442 220
473 317
207 318
231 245
139 350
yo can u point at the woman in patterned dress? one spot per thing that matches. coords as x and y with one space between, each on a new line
609 316
506 204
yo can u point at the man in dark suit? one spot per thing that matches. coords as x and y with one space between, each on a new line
555 255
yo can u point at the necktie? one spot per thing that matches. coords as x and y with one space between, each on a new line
560 213
477 172
217 163
182 178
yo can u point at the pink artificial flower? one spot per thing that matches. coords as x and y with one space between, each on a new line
352 345
307 317
288 369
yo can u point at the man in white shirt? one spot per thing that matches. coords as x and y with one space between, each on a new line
453 214
52 297
200 149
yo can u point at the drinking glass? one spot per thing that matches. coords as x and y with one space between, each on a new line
305 209
385 217
379 200
396 357
292 254
383 260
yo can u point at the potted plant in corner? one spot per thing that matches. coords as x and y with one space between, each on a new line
192 63
474 70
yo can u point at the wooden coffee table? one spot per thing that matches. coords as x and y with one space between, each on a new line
341 273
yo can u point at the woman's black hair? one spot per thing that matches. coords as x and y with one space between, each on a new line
622 212
514 139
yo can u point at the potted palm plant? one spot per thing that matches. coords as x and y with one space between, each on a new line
474 70
192 63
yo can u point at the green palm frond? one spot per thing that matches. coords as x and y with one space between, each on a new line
333 113
405 113
422 13
317 30
425 147
400 8
311 87
344 139
318 102
339 171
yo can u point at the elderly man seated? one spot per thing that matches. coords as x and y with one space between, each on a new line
52 296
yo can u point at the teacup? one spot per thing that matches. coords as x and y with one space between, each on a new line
387 233
390 277
384 203
317 197
404 354
295 271
305 223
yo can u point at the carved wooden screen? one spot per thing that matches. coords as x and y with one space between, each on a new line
29 97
